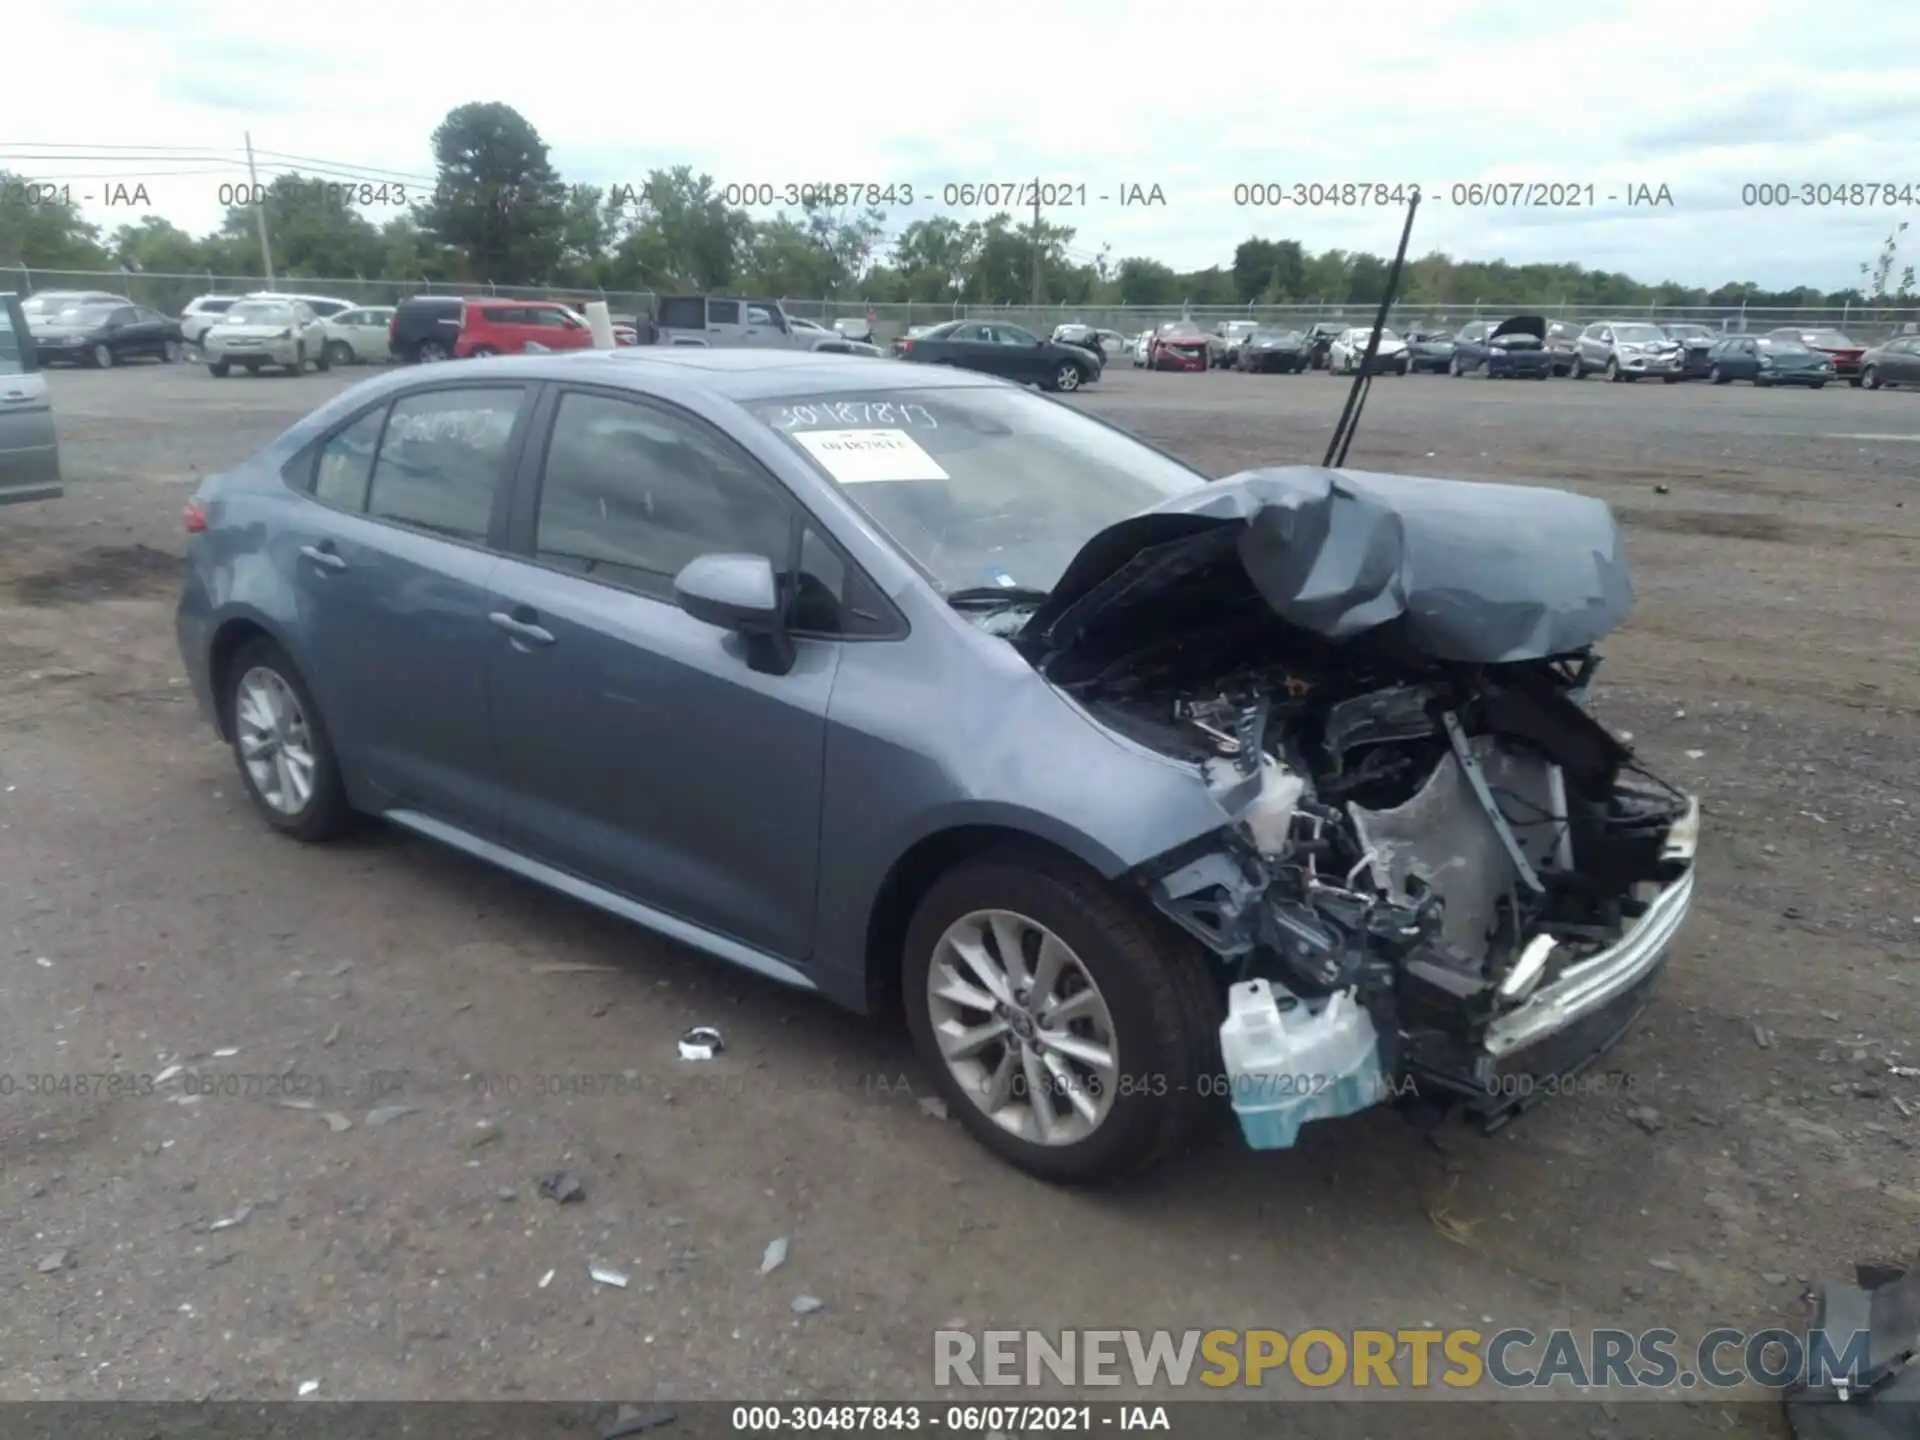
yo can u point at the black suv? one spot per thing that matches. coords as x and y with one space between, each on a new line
425 328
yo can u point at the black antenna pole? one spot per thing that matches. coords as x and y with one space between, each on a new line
1356 397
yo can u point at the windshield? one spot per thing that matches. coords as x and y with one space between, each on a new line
981 487
1638 334
1780 345
1831 339
259 312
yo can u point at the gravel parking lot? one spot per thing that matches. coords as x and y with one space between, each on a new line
452 1034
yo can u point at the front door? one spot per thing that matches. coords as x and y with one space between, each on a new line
29 450
638 748
394 566
1023 356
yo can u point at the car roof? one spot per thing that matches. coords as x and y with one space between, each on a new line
737 374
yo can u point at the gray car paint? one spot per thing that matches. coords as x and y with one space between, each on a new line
1473 572
29 446
638 762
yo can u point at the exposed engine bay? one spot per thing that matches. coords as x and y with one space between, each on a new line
1439 840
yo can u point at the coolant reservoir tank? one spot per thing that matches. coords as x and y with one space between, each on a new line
1289 1060
1270 817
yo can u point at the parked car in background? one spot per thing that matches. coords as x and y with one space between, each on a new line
321 305
1270 348
1003 350
849 327
359 337
507 327
1768 360
1139 346
1227 337
1696 344
1179 345
1847 355
729 320
802 326
1428 350
834 345
425 328
29 445
1349 348
1627 350
1104 343
200 313
257 333
612 627
1563 343
1897 362
103 335
45 304
1320 337
1511 349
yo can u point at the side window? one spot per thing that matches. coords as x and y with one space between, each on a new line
346 463
763 317
17 354
442 460
351 317
684 312
125 315
975 333
630 494
723 312
502 315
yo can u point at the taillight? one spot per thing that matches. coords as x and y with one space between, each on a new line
906 347
194 518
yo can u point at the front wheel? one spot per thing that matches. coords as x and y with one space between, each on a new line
1870 377
103 357
338 352
1577 370
218 369
1453 368
1612 372
1067 378
431 352
170 352
1716 376
280 744
1818 385
1066 1029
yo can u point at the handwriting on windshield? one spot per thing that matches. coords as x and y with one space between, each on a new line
853 415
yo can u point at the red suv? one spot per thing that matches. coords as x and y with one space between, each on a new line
506 327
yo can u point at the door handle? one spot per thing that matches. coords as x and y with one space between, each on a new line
521 629
325 558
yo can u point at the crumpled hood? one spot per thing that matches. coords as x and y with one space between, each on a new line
1534 325
1472 572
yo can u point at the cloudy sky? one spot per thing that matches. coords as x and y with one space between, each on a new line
1195 98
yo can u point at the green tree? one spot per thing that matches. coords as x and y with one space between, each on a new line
683 235
39 228
498 200
311 228
1140 281
1882 286
159 247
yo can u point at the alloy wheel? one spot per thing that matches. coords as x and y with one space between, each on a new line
276 744
1068 378
1023 1028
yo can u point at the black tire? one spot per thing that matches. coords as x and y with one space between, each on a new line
326 813
323 362
1854 381
254 367
338 352
1402 368
1613 372
1577 370
1672 379
1818 385
1453 367
1716 377
1068 378
1165 1004
101 357
1486 369
1870 377
429 352
481 352
219 369
170 352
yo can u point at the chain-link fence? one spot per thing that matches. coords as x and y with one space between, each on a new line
170 294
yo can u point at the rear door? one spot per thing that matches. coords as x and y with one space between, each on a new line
29 449
638 748
393 560
1900 362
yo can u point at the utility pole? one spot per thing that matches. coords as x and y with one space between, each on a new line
259 211
1037 291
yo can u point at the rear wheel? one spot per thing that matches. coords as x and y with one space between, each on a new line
280 744
338 352
1066 1030
1819 385
102 356
1870 377
170 352
432 351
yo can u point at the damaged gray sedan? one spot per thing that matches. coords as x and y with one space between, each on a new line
1139 794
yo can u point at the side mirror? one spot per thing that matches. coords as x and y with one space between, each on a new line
739 593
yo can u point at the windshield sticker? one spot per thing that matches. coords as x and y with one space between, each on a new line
840 414
859 457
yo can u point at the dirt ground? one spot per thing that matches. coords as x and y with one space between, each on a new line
148 920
